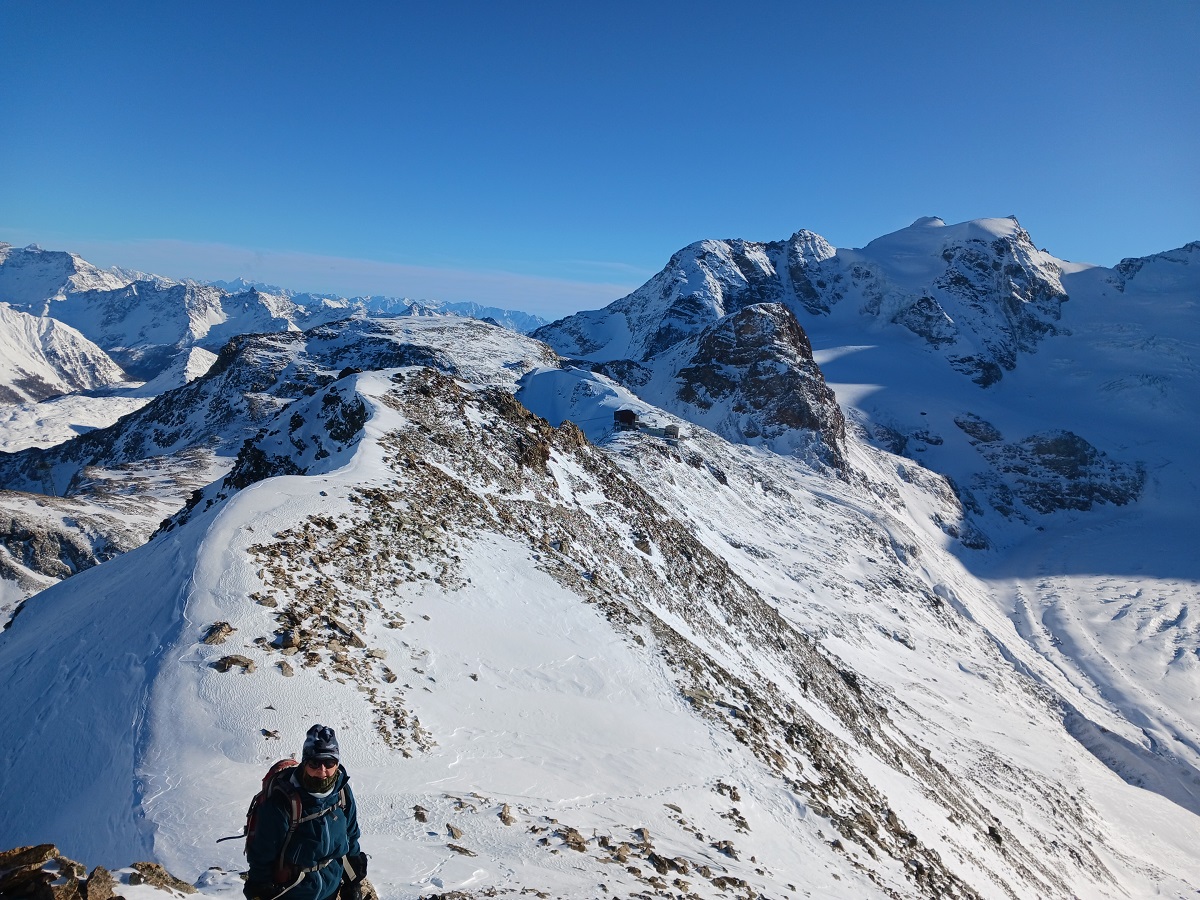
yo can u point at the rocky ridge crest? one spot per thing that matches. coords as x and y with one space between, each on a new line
466 463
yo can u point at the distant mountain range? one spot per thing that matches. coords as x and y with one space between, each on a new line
145 321
799 571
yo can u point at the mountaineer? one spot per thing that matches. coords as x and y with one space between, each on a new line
302 829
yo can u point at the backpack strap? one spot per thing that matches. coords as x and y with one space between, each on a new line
295 819
291 796
316 868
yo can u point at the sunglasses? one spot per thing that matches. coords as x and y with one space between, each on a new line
316 764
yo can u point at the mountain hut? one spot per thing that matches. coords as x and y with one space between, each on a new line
625 420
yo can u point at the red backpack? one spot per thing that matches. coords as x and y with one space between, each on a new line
279 780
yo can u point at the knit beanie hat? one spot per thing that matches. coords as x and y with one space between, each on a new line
320 743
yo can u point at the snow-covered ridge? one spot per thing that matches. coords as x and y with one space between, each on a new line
257 375
198 431
955 661
378 305
32 278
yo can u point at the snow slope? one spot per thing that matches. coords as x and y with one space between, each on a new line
960 664
58 419
41 358
189 365
712 643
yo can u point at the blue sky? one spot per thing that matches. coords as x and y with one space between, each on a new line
551 157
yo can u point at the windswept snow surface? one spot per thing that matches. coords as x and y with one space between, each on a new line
53 421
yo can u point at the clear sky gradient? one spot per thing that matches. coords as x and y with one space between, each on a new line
552 156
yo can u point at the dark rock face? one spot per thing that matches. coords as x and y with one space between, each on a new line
1061 470
813 272
625 371
699 285
100 885
992 300
720 318
1047 472
925 317
760 361
1015 302
977 429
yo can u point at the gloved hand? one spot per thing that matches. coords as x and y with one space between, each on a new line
352 887
356 863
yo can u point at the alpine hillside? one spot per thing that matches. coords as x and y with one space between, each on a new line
798 572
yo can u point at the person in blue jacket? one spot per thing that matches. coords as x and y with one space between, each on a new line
317 857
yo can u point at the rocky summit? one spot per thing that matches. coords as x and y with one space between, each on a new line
979 293
798 572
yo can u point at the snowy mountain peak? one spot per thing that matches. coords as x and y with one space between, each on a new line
1170 270
979 293
31 279
42 357
809 247
929 235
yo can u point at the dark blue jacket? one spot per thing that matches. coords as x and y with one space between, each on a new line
328 837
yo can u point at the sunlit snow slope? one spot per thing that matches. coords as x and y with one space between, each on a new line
942 648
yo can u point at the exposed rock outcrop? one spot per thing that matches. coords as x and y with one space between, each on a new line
756 369
42 873
1059 470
